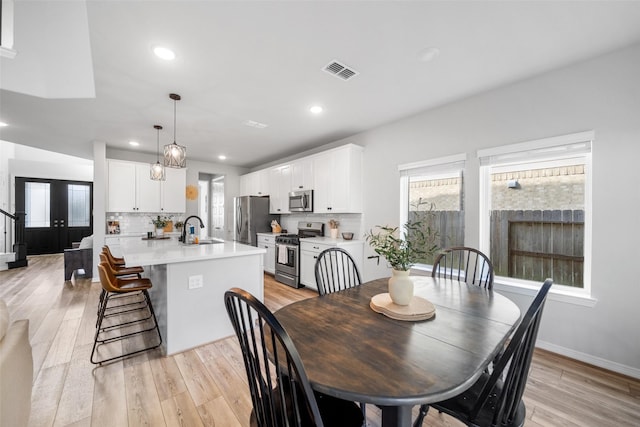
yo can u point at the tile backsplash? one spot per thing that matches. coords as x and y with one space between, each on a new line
141 223
136 222
348 222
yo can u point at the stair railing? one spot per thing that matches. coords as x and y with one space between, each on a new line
19 246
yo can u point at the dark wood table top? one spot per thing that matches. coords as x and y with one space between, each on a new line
351 352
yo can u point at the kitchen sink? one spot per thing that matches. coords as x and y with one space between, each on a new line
204 242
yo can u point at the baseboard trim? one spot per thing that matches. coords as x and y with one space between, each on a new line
592 360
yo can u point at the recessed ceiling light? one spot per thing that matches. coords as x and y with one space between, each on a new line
427 54
3 124
222 157
316 109
164 53
134 143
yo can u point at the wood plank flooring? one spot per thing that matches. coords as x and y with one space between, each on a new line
206 386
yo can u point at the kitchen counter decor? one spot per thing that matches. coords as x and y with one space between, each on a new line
333 228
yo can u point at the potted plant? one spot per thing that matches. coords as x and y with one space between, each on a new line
404 250
160 222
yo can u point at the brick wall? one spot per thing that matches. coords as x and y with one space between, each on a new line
537 189
444 193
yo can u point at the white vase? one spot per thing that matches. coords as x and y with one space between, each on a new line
159 232
400 287
333 232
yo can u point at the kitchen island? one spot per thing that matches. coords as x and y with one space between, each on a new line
189 282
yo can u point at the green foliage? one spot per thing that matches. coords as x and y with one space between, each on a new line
414 244
160 222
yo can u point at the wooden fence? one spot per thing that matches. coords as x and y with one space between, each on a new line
534 245
530 245
450 227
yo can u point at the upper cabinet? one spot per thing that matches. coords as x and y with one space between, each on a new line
255 183
335 176
279 186
338 180
172 191
131 189
302 174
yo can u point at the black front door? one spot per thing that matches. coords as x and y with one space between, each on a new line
57 213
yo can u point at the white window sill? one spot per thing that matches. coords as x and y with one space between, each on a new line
558 294
561 294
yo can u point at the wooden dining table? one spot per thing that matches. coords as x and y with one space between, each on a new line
352 352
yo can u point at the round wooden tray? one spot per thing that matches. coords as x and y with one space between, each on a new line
418 309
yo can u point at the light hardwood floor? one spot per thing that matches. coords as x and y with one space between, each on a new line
205 386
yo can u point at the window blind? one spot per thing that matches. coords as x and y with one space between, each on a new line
564 146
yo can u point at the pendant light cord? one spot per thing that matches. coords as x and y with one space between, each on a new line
174 120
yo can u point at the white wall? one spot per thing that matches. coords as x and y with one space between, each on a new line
601 95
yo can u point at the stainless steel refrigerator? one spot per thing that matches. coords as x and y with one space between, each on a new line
252 216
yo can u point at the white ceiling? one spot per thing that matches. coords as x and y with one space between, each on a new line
84 71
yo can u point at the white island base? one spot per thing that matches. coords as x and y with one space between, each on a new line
189 283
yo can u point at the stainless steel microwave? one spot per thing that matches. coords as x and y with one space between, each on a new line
301 201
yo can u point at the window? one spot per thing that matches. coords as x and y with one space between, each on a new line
37 206
79 205
433 191
536 196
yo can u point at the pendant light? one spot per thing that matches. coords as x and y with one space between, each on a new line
157 169
175 156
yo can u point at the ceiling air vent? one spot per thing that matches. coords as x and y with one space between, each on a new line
340 70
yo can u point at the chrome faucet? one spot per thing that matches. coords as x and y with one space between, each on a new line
183 237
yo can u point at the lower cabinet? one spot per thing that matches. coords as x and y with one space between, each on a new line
268 242
310 248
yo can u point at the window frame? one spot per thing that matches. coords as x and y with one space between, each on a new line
437 167
550 151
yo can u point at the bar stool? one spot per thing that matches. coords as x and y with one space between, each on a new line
112 259
119 269
124 313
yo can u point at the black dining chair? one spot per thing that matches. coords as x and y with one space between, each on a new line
492 400
280 390
336 270
464 264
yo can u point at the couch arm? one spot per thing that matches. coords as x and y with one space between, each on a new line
75 259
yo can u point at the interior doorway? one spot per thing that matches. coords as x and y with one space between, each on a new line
211 203
58 213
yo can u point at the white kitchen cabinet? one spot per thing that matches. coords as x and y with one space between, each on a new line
338 180
268 242
302 174
255 183
130 188
279 186
311 247
172 191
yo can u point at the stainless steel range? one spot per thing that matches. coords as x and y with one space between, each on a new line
288 252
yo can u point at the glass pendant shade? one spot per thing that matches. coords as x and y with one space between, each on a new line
175 156
157 169
157 172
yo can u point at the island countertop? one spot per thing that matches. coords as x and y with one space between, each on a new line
189 282
170 251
